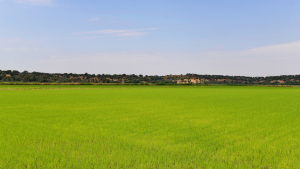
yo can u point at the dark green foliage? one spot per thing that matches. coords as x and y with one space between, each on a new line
25 76
25 79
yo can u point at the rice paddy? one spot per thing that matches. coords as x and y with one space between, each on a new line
149 127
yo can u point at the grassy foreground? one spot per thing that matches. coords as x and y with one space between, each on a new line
149 127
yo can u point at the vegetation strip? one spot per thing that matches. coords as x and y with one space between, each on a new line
81 79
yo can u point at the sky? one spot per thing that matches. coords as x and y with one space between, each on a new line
157 37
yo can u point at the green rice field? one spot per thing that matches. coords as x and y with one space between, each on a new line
149 127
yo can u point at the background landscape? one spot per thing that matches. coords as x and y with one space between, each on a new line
25 76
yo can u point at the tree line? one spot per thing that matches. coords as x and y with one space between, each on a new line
189 78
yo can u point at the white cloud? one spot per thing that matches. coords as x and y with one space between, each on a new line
116 32
131 34
20 49
108 31
36 2
17 44
279 49
286 50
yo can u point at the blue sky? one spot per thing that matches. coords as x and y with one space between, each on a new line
157 37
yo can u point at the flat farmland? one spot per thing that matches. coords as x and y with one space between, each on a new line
149 127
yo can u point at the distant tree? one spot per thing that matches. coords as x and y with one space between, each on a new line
67 80
44 80
15 72
25 79
33 78
55 78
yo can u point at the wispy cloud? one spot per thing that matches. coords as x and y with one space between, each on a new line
116 32
36 2
20 49
277 50
18 44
